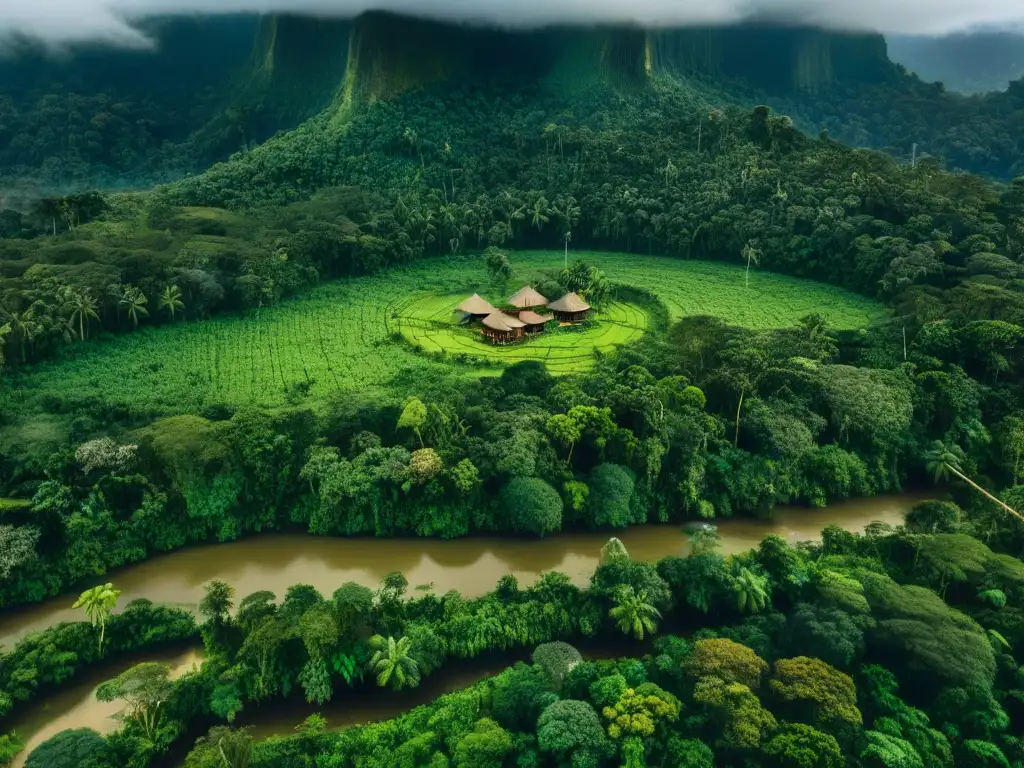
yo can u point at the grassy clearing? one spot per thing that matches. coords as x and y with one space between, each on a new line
426 321
713 288
338 337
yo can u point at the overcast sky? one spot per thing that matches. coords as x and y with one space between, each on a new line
61 21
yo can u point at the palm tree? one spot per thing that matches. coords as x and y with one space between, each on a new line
170 300
512 208
942 461
751 590
83 309
393 663
23 325
135 302
567 237
565 212
98 603
4 330
633 614
598 289
538 212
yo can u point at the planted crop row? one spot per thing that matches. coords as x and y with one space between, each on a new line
337 338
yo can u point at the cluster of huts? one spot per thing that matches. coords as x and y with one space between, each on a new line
522 316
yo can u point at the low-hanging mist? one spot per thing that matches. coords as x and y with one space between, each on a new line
115 21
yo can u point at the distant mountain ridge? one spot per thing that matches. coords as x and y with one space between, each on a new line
969 63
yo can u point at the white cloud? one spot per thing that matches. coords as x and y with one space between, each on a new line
63 21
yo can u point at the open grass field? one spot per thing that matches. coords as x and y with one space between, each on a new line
689 288
337 338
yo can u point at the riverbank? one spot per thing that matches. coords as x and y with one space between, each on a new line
277 561
76 705
472 566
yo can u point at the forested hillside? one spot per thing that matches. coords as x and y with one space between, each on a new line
212 87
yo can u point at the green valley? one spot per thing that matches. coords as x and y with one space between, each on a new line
722 465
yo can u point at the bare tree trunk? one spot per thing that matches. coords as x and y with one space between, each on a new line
736 439
983 492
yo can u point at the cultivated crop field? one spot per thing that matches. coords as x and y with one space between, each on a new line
713 288
338 338
426 321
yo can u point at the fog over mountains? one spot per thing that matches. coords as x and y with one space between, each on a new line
115 21
966 62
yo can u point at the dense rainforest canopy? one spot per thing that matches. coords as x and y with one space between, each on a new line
892 648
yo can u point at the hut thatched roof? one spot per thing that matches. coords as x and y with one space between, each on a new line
498 321
475 305
569 303
530 317
526 297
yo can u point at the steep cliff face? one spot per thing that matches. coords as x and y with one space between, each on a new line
776 59
300 48
297 64
578 58
390 54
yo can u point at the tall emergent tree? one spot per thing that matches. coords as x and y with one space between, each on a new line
144 688
942 461
414 417
23 325
98 603
83 310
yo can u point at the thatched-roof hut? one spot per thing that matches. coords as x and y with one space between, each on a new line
501 328
570 308
534 322
476 306
527 298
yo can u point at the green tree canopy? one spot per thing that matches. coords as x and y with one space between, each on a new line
484 747
556 660
639 711
532 505
935 645
726 660
816 692
800 746
572 729
67 749
610 499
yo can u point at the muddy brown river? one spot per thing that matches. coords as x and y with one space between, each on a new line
472 566
76 706
275 561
